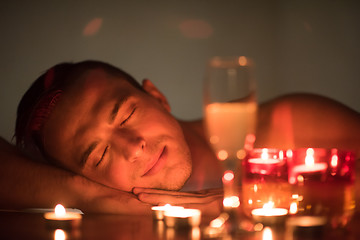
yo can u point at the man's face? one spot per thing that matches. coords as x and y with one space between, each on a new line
115 134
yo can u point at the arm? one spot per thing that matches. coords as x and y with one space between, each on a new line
27 184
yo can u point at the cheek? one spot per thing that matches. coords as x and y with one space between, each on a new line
161 124
119 176
157 114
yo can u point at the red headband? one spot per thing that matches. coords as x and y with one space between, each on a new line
43 110
46 104
49 78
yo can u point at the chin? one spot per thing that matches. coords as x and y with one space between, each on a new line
176 180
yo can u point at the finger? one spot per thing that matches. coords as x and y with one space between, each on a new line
179 194
213 191
138 190
209 192
158 199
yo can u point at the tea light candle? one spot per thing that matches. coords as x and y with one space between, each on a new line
310 167
158 211
316 167
182 218
62 219
300 173
264 158
265 163
269 215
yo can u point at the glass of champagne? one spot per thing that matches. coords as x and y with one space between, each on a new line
230 110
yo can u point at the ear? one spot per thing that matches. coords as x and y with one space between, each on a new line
150 88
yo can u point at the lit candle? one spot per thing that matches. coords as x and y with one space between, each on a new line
269 215
265 163
310 168
182 218
265 158
158 211
62 219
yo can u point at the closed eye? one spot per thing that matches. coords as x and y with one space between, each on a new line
127 119
102 156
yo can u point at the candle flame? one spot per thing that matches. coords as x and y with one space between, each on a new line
281 155
60 210
309 159
310 151
265 154
334 160
268 205
166 207
269 210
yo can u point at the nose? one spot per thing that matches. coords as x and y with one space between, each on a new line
128 144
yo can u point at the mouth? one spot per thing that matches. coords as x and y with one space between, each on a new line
157 164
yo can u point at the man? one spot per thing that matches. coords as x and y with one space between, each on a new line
109 143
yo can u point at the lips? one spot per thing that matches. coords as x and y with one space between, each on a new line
156 164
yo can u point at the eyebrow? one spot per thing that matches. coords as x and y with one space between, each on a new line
114 112
116 108
111 119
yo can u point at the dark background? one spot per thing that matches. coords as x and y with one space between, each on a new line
298 46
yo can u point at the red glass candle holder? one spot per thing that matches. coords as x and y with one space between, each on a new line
323 183
265 187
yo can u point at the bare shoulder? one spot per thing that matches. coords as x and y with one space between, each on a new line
300 120
309 102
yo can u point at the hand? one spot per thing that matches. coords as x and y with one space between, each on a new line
208 201
92 197
116 202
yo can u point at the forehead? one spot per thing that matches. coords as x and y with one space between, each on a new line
94 88
81 107
93 81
